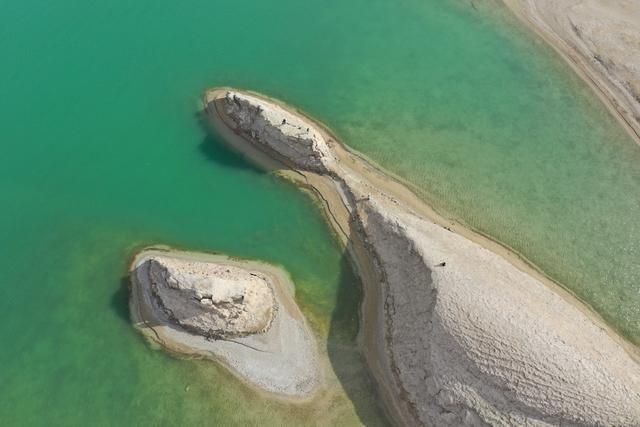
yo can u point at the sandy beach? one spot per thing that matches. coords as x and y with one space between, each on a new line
600 40
457 329
279 356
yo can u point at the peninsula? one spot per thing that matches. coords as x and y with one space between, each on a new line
237 312
456 329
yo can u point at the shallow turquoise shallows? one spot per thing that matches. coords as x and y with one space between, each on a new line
102 152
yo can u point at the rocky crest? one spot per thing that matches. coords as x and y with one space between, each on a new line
212 301
294 139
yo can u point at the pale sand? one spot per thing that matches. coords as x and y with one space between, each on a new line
600 40
283 361
494 344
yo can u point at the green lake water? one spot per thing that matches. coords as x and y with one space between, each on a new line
102 152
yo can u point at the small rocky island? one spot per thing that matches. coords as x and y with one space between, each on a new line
240 313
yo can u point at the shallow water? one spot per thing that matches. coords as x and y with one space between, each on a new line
102 152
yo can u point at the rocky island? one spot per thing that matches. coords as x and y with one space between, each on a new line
240 313
457 330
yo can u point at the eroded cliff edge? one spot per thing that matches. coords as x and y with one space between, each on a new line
455 334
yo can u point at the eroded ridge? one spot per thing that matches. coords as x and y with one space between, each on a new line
290 135
455 334
210 299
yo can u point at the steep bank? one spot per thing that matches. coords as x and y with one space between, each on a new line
454 333
601 40
239 313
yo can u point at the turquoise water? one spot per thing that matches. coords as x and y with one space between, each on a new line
102 153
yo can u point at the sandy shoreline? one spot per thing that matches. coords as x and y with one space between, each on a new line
338 204
282 362
600 41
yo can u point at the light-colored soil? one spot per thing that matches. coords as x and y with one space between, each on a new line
482 338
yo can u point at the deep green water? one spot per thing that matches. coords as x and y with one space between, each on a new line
102 152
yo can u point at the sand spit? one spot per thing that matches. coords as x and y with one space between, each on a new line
601 40
454 333
240 313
